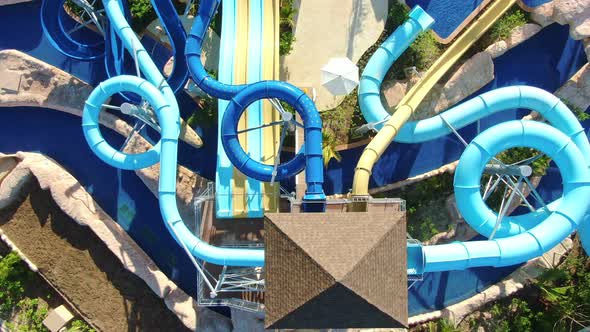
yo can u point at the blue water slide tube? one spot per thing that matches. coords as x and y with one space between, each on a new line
312 156
161 97
241 96
535 241
117 59
194 47
369 93
521 237
52 20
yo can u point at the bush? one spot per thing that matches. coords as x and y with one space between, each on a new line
13 275
287 38
503 27
556 301
31 314
79 326
515 17
287 14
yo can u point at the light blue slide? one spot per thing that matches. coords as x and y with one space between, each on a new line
166 109
369 93
526 236
225 170
518 238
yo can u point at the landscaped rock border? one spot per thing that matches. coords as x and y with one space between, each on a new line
78 204
574 13
471 76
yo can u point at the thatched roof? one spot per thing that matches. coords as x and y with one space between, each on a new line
336 270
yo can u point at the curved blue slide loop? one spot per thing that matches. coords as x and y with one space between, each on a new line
369 93
90 121
243 95
572 210
51 12
194 46
313 133
169 121
549 106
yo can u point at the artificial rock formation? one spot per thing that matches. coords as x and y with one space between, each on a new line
575 13
576 91
517 36
78 204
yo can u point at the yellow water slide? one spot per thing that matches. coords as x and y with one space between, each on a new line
240 77
270 71
405 108
242 195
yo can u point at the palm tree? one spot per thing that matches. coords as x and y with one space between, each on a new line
329 151
287 14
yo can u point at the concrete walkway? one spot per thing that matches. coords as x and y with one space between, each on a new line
326 29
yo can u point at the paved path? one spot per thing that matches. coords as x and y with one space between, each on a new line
326 29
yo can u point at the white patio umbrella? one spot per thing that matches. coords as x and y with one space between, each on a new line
340 76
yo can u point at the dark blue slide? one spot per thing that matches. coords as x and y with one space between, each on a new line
61 30
119 62
177 36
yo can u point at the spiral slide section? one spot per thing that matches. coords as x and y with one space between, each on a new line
240 97
389 129
52 14
522 237
166 108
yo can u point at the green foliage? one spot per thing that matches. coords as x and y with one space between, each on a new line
422 229
286 40
421 54
557 301
518 154
143 13
13 275
425 204
287 14
206 114
514 18
503 27
578 112
442 325
329 149
31 314
79 326
507 316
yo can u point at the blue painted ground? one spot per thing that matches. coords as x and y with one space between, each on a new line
120 193
449 14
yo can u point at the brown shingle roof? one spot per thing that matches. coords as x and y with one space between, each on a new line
336 270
